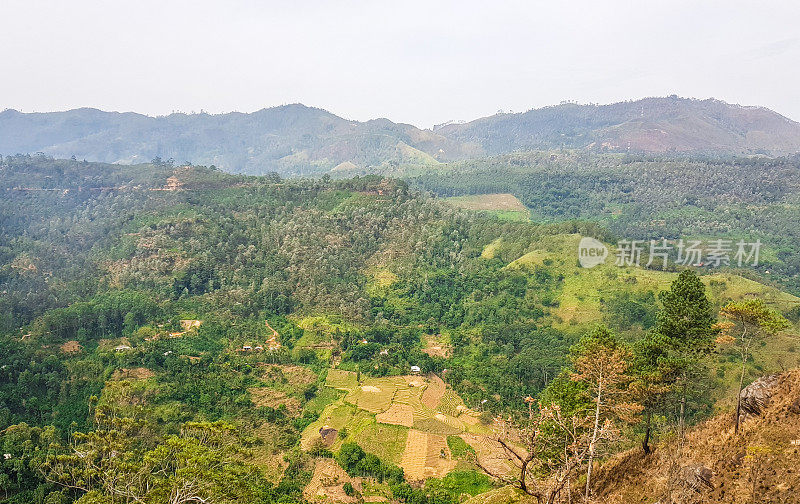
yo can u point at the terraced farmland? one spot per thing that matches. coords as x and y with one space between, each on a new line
402 419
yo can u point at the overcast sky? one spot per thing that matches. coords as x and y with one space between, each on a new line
418 62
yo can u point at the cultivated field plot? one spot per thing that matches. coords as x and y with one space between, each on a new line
497 201
425 456
342 380
397 414
375 394
433 392
451 403
401 419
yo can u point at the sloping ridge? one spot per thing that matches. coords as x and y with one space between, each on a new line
669 124
299 140
761 461
290 139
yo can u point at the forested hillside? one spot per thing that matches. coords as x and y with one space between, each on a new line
654 125
291 139
170 332
300 140
649 197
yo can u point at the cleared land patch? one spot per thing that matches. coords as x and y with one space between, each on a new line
138 373
433 392
288 373
71 347
269 397
436 346
425 456
495 201
397 414
327 483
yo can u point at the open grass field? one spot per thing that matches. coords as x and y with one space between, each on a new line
385 441
502 205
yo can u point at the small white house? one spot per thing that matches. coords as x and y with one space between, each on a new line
384 352
247 348
415 369
122 348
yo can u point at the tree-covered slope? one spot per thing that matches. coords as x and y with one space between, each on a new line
291 139
655 125
300 140
649 197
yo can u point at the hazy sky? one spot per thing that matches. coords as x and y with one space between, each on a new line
418 62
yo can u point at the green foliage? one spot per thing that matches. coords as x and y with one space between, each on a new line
448 490
646 197
459 449
627 309
357 462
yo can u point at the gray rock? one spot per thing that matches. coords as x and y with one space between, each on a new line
697 477
756 396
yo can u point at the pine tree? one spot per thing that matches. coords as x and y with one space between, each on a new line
685 334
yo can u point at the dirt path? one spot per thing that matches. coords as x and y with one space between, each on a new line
273 342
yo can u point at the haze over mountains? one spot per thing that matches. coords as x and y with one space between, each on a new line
300 140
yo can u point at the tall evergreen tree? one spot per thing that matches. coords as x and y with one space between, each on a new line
684 334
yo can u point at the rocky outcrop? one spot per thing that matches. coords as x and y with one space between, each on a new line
756 396
696 477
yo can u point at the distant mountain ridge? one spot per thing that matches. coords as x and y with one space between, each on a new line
300 140
656 125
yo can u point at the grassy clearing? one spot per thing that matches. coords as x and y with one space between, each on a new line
490 250
324 397
504 495
582 292
342 380
385 441
497 202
